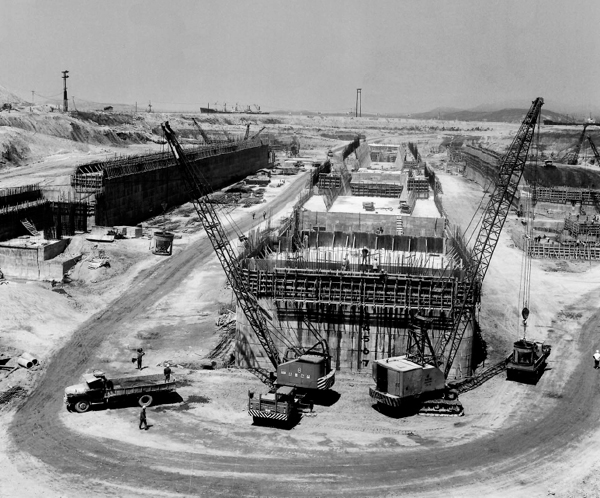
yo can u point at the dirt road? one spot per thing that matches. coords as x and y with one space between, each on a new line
556 424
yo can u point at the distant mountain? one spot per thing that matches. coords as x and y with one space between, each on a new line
505 115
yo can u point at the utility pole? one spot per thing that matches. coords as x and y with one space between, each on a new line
358 111
65 99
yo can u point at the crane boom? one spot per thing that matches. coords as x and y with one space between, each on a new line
202 132
573 156
258 133
594 150
509 175
198 191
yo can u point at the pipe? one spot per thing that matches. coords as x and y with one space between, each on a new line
30 357
24 363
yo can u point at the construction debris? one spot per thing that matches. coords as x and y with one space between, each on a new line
96 263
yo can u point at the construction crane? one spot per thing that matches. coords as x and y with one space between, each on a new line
202 132
527 361
310 370
425 382
572 157
594 150
257 133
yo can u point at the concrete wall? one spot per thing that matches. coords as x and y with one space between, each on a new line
355 339
130 199
35 263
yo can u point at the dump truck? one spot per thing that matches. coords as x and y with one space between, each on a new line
99 389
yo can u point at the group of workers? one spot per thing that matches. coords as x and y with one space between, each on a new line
366 259
167 373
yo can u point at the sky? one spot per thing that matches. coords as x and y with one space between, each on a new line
405 55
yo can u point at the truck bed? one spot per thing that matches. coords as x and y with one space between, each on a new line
136 381
125 386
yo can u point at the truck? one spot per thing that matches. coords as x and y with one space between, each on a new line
99 389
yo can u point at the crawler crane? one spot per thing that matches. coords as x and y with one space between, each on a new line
401 381
309 369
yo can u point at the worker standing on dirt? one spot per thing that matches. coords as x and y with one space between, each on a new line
143 419
264 215
597 359
167 372
253 215
140 353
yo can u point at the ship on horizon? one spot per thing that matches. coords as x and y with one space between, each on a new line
236 110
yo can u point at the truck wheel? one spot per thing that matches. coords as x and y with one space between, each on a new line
145 400
82 406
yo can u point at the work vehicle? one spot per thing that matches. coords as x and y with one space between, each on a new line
97 388
278 405
425 381
306 369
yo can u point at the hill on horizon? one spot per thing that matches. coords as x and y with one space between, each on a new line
483 113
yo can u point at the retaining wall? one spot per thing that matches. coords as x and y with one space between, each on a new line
132 198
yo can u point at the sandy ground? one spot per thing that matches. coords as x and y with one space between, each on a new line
514 440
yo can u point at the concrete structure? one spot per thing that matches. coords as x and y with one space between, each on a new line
353 270
35 259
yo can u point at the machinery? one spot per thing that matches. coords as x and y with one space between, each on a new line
303 370
99 389
594 150
573 156
257 133
202 132
424 381
527 362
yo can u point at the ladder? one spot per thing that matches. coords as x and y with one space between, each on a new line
399 225
30 227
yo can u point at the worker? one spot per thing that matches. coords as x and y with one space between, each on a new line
264 215
143 420
140 353
597 359
375 264
167 372
346 263
365 255
253 215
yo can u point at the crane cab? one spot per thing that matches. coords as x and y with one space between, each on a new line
308 371
398 378
311 370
